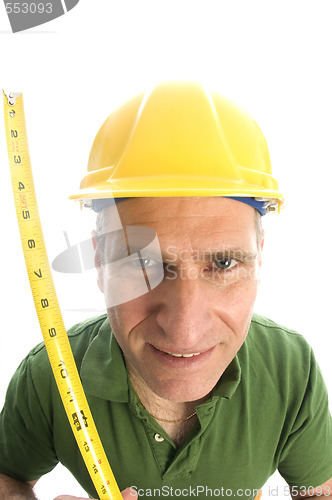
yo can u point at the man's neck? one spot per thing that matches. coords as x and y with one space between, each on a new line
176 418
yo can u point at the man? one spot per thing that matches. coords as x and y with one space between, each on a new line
192 394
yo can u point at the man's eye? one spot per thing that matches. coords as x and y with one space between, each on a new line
225 263
145 262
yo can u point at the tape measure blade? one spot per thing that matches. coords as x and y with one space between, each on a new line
47 306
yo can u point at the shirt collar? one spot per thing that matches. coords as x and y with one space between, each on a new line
229 381
104 373
103 370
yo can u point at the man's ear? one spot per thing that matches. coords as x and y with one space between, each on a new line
98 260
262 240
261 248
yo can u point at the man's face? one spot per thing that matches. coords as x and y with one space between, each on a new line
179 338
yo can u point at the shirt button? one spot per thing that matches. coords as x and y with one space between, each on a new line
158 438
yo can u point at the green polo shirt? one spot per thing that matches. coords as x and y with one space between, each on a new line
269 411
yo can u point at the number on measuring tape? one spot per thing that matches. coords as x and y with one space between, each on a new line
63 371
44 303
52 332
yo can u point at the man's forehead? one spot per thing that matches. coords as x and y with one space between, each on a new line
143 210
191 223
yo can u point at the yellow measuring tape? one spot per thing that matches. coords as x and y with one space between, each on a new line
46 303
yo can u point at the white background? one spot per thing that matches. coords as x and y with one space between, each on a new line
274 58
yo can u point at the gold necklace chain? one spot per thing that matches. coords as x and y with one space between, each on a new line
169 421
163 419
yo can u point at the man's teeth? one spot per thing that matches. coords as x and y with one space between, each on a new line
184 355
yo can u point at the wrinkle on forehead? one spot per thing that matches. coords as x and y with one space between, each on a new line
190 221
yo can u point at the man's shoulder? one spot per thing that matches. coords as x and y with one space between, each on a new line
278 342
89 327
266 326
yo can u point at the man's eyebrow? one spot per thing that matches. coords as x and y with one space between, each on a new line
230 253
209 255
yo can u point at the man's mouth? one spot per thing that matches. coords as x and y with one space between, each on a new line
183 355
180 359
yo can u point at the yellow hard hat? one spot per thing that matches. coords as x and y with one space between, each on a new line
179 140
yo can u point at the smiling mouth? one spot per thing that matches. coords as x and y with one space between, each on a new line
183 355
182 359
176 355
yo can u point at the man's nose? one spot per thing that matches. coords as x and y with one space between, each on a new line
185 313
